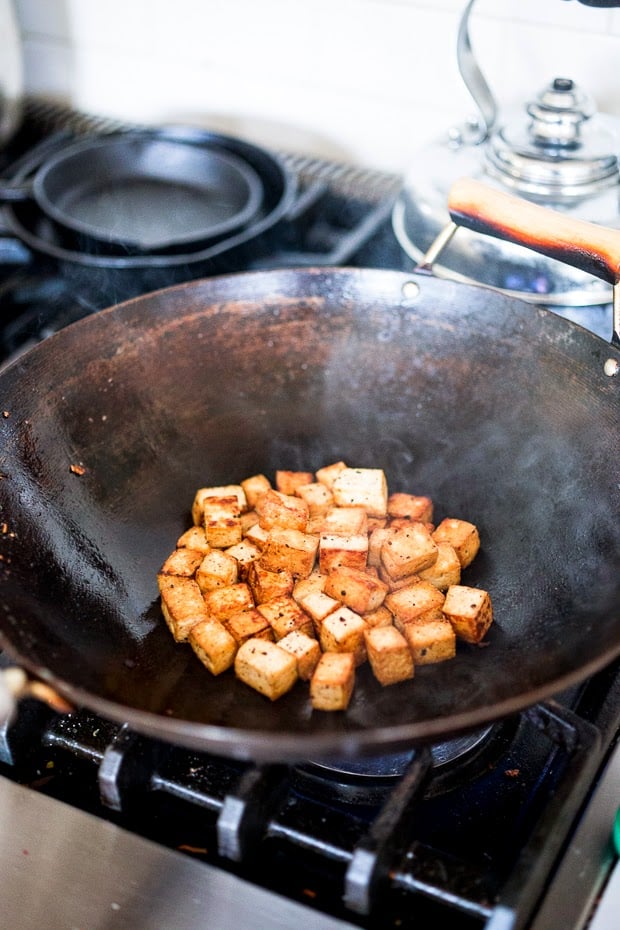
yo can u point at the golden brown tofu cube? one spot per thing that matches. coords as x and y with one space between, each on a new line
267 585
430 640
389 655
247 624
379 617
223 602
222 521
182 562
414 601
254 487
469 610
375 541
257 535
335 551
217 570
305 649
281 511
266 668
446 570
288 482
358 589
248 520
331 685
394 584
410 506
317 496
245 553
314 582
194 538
317 605
364 487
227 490
462 536
284 615
328 474
343 631
290 550
408 550
213 644
182 605
345 521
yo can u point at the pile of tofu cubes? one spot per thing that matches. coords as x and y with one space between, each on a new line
313 574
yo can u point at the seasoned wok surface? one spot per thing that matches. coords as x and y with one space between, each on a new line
497 410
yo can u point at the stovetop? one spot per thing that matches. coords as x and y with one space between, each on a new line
504 829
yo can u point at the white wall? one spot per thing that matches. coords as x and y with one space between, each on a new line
365 81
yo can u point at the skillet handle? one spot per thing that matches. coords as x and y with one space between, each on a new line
587 246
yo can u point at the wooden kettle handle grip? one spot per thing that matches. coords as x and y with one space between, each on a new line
592 248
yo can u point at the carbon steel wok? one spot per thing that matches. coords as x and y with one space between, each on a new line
505 414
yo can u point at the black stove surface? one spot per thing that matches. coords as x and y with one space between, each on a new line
469 833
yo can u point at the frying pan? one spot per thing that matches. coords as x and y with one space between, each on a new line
137 191
505 414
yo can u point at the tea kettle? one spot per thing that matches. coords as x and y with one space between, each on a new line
559 152
11 74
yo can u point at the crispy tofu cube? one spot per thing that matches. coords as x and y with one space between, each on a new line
345 521
222 521
306 651
408 550
266 585
375 541
290 550
462 536
314 582
430 640
194 538
343 631
281 511
331 685
389 655
256 535
224 602
317 496
418 599
328 474
248 624
317 605
284 615
364 487
245 553
379 617
217 570
469 610
182 562
254 487
446 570
213 644
248 520
266 668
410 506
335 551
394 584
182 605
358 589
288 482
227 490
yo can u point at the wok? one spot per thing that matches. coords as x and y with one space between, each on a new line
140 192
504 413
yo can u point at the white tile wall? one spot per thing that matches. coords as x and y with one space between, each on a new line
366 81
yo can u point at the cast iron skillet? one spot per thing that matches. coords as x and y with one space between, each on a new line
504 413
140 192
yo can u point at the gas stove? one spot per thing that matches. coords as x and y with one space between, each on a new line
506 828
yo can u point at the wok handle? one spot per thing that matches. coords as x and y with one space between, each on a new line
591 248
587 246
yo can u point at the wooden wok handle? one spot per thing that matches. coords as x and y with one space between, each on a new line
591 248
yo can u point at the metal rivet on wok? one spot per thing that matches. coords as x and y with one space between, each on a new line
411 290
611 367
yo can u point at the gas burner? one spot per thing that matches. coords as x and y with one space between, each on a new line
368 779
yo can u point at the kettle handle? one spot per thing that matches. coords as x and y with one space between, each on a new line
474 79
